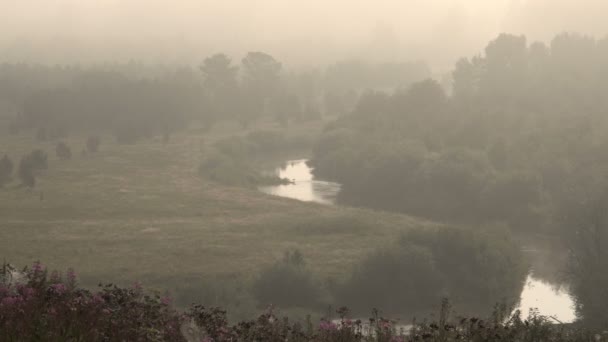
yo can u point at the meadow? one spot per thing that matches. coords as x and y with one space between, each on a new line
142 212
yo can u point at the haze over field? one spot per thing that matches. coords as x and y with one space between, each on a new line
232 169
295 31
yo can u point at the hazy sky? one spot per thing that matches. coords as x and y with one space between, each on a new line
295 31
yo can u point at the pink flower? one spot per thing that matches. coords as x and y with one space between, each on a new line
97 299
37 267
9 301
58 288
165 300
28 292
71 277
137 286
327 326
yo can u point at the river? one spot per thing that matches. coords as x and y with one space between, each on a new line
550 299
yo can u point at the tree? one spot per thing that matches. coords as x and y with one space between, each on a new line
28 166
505 68
26 172
219 73
6 169
589 263
287 283
261 81
221 86
63 151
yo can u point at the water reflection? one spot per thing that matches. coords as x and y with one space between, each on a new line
550 300
304 187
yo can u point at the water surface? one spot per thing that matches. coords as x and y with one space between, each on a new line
304 186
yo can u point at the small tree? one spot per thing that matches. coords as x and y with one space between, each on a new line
93 144
287 283
6 170
26 172
29 164
63 151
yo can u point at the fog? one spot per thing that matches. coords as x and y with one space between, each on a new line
296 31
232 169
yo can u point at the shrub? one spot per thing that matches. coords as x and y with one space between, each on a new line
26 172
63 151
392 280
48 307
93 144
29 165
6 170
287 283
489 268
474 268
38 305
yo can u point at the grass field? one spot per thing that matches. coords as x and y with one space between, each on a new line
142 213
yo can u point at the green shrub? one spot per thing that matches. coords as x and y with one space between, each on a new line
395 280
287 283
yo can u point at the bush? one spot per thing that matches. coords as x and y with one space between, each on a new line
41 306
489 265
29 165
392 280
287 283
6 170
26 172
474 268
47 307
63 151
93 144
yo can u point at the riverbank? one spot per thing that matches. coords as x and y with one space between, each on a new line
544 289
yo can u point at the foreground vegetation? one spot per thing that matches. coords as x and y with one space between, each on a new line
38 305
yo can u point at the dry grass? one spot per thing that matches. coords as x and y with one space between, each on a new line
141 212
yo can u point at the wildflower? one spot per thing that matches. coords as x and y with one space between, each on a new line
37 267
9 301
71 277
28 292
137 286
58 288
165 300
327 326
97 299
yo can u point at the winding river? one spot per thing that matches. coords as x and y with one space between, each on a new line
550 299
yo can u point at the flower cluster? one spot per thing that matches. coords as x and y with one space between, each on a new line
49 307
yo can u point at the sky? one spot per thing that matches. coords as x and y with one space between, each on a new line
298 32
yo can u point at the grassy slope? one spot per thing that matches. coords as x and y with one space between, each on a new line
141 212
